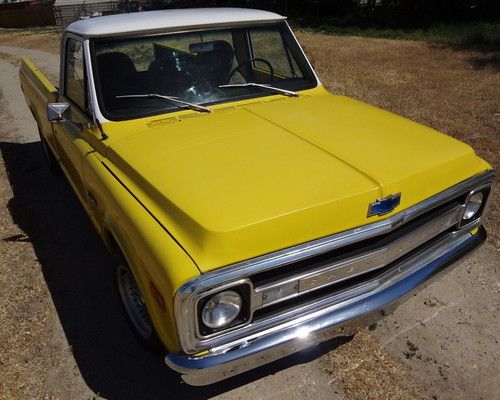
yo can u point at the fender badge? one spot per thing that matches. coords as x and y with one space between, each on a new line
384 205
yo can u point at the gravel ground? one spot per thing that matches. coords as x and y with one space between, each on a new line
62 335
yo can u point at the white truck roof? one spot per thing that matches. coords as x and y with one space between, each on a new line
168 20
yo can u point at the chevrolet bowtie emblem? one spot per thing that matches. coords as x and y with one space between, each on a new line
384 205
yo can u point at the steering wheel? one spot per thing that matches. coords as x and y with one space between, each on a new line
239 66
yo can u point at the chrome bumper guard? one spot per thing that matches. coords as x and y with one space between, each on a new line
339 319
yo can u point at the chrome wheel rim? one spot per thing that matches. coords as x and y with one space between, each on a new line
133 302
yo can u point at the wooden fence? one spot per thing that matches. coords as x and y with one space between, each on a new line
25 17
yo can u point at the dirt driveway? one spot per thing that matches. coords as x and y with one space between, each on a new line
62 335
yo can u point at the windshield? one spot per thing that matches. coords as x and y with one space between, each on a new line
203 67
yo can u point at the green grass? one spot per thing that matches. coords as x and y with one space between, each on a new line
449 34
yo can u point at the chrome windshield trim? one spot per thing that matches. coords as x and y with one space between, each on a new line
183 302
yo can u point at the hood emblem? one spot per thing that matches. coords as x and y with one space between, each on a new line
384 205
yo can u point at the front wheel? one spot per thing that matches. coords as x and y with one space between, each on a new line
135 309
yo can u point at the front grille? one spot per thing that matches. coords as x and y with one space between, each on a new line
368 245
323 293
349 265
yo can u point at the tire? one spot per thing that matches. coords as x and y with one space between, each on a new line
135 309
50 159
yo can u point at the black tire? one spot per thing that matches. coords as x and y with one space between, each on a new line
135 309
50 159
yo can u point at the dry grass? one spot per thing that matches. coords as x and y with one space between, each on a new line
365 371
469 33
10 59
25 307
46 38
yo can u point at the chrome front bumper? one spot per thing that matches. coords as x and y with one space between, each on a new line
340 319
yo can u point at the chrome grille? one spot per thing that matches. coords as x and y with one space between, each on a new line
345 264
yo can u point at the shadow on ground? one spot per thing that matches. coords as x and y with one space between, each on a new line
485 56
486 61
78 273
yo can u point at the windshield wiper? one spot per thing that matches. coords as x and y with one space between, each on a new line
171 99
262 86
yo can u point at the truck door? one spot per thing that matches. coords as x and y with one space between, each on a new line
69 133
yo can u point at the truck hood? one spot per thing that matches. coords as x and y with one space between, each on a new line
250 179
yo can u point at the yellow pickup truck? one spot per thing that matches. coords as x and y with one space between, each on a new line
252 213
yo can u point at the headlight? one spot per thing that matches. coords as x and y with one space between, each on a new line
473 206
221 309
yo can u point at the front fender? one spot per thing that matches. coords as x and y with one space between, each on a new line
152 254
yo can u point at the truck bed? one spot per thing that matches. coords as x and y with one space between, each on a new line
38 91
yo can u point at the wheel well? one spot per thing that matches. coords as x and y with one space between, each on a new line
119 256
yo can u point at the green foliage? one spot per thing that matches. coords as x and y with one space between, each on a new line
465 34
400 14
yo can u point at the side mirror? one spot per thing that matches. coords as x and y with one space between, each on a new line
57 111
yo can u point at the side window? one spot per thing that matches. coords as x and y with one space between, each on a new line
268 44
74 85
